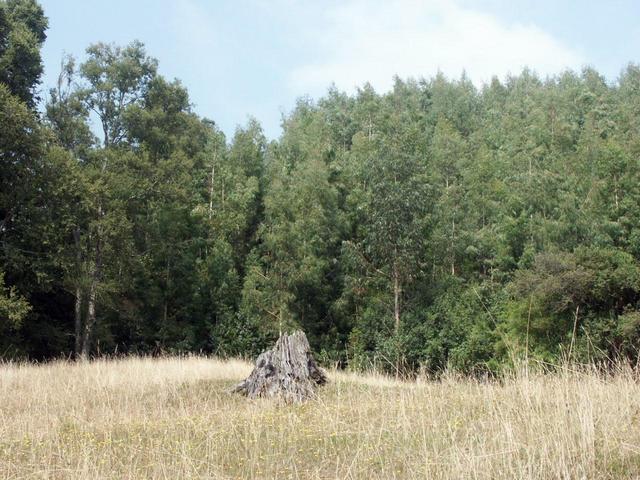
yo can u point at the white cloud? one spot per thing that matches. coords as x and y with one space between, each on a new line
372 41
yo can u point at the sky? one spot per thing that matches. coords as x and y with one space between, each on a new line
242 58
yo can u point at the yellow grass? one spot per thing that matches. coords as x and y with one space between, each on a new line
172 418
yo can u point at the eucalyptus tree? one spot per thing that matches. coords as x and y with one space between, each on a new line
110 81
33 196
449 162
22 143
288 280
23 28
393 196
115 78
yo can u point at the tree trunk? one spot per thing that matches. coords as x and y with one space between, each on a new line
78 295
287 371
78 322
453 246
213 174
165 307
396 298
90 322
575 330
91 304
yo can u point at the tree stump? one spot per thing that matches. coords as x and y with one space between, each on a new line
287 371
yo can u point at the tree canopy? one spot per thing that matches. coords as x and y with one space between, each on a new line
434 225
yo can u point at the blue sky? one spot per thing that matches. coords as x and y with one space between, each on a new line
255 57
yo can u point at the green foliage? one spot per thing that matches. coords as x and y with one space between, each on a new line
432 226
116 78
287 278
22 33
591 292
13 307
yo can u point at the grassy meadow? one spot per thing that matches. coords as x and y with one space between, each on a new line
173 419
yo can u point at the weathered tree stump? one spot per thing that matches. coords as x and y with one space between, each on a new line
287 371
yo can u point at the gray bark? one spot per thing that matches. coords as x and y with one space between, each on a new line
78 322
78 294
396 298
287 371
90 321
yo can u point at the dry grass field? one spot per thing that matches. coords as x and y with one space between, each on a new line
173 419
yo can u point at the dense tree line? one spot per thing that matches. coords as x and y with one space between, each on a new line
434 225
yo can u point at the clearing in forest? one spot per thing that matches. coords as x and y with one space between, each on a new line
175 418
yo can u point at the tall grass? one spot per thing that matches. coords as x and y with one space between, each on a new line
173 419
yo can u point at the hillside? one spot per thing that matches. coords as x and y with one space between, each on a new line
438 223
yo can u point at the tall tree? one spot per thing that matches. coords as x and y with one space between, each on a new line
111 80
22 33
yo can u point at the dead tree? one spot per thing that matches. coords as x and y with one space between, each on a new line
287 371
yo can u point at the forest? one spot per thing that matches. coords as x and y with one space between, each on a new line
439 225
